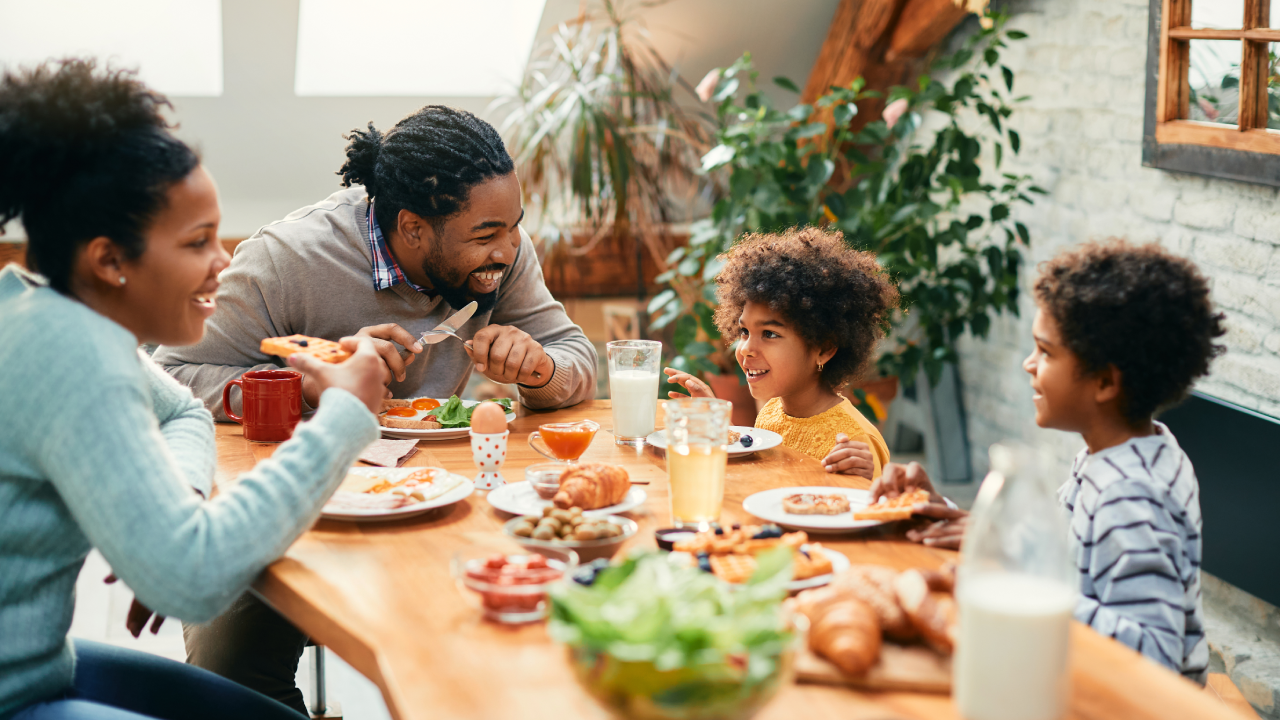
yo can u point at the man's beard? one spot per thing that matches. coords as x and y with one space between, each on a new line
456 291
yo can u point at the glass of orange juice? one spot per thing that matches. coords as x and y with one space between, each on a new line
697 433
563 441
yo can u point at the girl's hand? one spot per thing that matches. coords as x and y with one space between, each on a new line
849 458
364 374
897 479
696 387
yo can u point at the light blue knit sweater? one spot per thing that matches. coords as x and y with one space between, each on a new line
99 448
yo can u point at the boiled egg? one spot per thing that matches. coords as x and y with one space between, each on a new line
488 418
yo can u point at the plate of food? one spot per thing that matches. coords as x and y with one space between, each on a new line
431 418
743 440
378 494
730 554
829 509
599 489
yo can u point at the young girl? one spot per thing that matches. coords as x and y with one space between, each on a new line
807 310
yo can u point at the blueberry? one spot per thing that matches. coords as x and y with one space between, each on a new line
586 574
746 441
704 555
737 526
302 343
705 564
719 531
806 553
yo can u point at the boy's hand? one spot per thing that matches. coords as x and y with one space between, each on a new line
946 534
849 458
696 387
897 479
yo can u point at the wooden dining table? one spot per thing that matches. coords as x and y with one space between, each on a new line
381 596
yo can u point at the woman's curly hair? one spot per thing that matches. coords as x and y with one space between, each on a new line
833 295
1139 308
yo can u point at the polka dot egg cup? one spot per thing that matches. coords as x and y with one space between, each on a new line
489 450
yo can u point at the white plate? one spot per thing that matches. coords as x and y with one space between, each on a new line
462 492
441 434
761 440
839 563
519 498
767 505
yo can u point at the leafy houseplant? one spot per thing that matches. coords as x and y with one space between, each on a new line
943 232
601 143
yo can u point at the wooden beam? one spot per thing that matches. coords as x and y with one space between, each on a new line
921 25
831 56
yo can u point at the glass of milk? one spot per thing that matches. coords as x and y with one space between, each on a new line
1016 592
634 366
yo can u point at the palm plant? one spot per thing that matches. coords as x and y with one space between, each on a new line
600 141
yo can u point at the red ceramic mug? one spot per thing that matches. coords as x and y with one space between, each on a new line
271 401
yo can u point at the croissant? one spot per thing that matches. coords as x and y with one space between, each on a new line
842 628
873 585
932 613
592 486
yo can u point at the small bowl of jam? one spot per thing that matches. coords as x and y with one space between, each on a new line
510 587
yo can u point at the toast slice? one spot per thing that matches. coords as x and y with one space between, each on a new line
319 348
816 504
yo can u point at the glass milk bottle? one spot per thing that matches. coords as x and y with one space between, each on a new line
1016 591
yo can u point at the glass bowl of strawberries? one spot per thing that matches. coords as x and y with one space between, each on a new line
510 586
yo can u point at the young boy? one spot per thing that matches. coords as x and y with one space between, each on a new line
1120 331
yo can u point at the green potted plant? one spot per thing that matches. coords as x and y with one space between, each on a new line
603 148
919 201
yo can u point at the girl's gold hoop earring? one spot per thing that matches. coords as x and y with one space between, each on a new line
819 367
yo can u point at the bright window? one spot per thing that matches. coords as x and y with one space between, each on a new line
1214 108
439 48
175 46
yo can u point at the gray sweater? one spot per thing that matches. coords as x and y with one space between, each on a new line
311 273
100 448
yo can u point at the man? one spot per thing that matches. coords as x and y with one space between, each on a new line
430 222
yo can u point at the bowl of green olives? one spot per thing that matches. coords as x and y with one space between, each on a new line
589 537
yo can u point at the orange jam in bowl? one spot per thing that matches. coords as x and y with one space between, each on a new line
568 441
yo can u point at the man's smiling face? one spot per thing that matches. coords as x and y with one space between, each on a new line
466 256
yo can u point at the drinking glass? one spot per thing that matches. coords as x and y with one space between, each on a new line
563 441
697 432
633 387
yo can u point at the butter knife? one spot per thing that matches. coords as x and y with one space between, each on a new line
449 328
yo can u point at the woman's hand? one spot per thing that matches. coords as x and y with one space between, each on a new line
139 614
849 458
364 374
696 387
897 479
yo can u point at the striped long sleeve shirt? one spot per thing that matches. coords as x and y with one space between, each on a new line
1136 533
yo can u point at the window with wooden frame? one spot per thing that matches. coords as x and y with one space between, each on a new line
1213 89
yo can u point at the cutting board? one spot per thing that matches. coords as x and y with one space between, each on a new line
908 668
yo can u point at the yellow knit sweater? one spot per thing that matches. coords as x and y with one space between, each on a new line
816 436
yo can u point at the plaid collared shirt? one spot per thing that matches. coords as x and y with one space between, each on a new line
386 271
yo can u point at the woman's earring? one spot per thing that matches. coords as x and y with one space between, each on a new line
819 367
122 282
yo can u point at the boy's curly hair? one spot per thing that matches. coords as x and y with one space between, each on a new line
1138 307
832 294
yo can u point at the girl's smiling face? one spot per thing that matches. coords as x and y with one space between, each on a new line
777 361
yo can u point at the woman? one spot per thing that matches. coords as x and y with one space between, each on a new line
98 447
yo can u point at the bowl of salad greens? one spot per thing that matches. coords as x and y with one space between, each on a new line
654 640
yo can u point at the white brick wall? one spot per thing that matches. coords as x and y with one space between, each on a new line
1083 66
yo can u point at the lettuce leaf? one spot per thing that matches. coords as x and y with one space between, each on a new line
453 414
647 609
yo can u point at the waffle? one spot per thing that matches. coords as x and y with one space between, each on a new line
812 562
898 508
733 568
738 541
